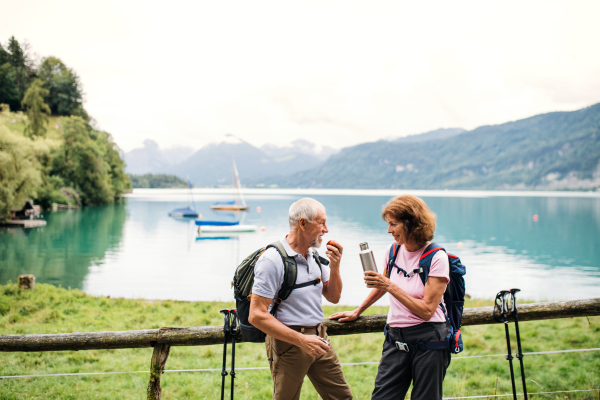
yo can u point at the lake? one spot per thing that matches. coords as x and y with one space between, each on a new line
136 250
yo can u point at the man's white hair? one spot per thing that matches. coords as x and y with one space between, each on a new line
306 208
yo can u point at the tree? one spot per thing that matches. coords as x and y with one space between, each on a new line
65 94
9 92
37 110
4 56
81 165
19 58
20 173
120 182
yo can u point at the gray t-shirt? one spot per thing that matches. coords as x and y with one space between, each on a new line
303 307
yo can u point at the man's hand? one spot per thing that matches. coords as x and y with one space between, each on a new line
313 345
332 289
334 253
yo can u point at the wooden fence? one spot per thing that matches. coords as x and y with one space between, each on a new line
162 339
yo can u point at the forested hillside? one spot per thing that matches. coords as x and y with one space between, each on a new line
157 181
49 150
559 150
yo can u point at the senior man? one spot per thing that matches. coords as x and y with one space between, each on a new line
297 342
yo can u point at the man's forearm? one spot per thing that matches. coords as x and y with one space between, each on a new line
272 327
333 290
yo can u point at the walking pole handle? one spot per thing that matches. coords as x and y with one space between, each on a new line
233 330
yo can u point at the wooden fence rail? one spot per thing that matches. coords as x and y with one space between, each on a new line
208 335
162 339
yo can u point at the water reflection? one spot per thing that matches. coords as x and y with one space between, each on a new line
62 252
136 250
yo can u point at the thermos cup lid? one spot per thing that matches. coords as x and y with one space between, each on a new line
364 246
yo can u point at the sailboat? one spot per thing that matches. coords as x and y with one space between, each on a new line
238 226
239 204
186 212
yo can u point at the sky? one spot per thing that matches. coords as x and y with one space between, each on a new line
337 73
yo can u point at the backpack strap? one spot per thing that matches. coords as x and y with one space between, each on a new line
425 266
425 260
394 250
290 274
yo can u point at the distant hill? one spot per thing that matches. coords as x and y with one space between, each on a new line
438 134
151 159
211 165
558 150
157 181
299 146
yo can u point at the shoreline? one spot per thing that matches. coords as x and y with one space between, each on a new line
249 192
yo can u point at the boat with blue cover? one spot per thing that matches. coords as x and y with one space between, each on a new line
186 212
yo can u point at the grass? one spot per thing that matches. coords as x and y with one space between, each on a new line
48 309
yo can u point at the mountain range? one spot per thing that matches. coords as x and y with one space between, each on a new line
211 165
553 151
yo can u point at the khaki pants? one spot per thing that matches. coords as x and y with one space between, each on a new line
290 365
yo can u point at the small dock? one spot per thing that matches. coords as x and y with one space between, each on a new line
24 223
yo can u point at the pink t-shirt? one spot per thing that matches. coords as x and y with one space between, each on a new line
399 316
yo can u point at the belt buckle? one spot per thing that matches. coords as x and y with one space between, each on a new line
402 346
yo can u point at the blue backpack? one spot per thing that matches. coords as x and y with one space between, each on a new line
454 297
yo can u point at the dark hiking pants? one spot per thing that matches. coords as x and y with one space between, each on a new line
425 369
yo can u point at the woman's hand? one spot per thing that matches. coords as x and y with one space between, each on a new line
377 281
345 316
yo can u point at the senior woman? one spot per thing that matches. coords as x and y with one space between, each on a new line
415 315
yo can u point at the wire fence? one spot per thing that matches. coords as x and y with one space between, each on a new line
262 368
343 364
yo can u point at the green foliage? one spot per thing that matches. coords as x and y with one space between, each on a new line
19 59
9 92
119 180
48 309
157 181
64 93
37 110
64 89
20 170
79 161
81 166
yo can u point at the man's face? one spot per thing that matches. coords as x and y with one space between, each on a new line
316 229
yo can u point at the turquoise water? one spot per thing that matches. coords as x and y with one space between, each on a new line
136 250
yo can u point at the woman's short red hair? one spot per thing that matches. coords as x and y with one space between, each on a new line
417 218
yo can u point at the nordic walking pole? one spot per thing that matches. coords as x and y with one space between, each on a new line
226 329
504 310
513 293
233 331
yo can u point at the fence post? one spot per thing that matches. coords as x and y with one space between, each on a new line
157 366
27 281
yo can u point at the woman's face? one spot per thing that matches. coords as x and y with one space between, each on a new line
396 228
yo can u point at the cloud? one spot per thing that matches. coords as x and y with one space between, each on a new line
336 73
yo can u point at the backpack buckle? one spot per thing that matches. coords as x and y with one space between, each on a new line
402 346
249 297
278 301
318 280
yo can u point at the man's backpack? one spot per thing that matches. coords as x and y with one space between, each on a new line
454 296
243 280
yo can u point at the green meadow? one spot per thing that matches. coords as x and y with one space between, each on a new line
48 309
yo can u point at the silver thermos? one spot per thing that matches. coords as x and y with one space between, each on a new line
366 258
